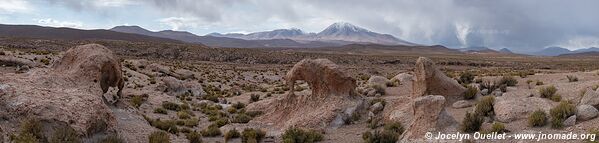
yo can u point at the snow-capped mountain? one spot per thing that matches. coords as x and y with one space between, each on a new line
338 32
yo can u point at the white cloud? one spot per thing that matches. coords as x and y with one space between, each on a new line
580 42
57 23
113 3
180 23
13 6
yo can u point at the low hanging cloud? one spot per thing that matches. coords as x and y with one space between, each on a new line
521 25
57 23
14 6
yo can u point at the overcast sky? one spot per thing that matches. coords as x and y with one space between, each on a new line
520 25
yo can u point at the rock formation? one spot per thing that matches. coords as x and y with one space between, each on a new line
331 103
67 95
378 80
590 97
176 87
429 116
430 81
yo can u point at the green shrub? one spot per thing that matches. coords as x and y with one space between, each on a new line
65 135
221 122
112 139
466 77
471 123
171 106
498 127
31 128
380 137
160 110
484 107
159 137
183 114
211 131
556 98
191 122
508 80
252 135
241 118
572 78
231 134
232 110
254 98
136 101
547 92
560 113
537 119
470 92
194 137
297 135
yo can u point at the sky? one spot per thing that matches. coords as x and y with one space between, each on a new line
519 25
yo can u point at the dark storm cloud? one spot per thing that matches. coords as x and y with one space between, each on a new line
521 25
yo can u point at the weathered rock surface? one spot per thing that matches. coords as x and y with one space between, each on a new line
429 116
176 87
377 107
378 80
430 81
586 112
590 97
332 100
508 109
570 121
462 104
403 78
67 95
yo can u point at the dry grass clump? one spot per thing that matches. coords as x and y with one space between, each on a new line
65 135
159 137
112 139
211 131
252 135
537 119
194 137
471 123
231 134
508 80
484 107
466 77
297 135
549 92
560 113
470 92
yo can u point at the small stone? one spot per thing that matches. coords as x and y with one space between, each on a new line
377 107
462 104
571 121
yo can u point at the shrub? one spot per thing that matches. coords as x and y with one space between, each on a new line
380 137
253 113
297 135
560 113
471 123
167 125
211 131
547 92
508 80
594 132
395 127
254 98
537 119
374 123
540 82
31 128
112 139
136 101
252 135
484 107
171 106
503 88
159 137
572 78
232 110
498 127
221 122
490 86
64 135
183 114
231 134
194 137
556 98
466 77
241 118
379 89
25 138
191 122
238 105
470 92
160 111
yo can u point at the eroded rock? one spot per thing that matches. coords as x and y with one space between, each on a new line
431 81
429 116
586 112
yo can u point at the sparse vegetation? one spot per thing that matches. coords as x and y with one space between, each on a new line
484 107
254 98
498 128
508 80
470 92
537 119
171 106
112 139
547 92
297 135
231 134
560 113
194 137
471 123
136 101
64 135
160 111
252 135
159 137
466 77
211 131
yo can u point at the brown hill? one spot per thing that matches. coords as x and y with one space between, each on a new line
33 31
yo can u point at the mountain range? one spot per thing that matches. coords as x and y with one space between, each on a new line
341 32
556 51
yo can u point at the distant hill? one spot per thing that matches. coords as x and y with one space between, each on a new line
506 51
581 54
556 51
33 31
216 41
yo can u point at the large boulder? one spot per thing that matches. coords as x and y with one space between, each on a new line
67 95
429 116
508 109
403 78
378 80
176 87
430 81
331 101
590 97
586 112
